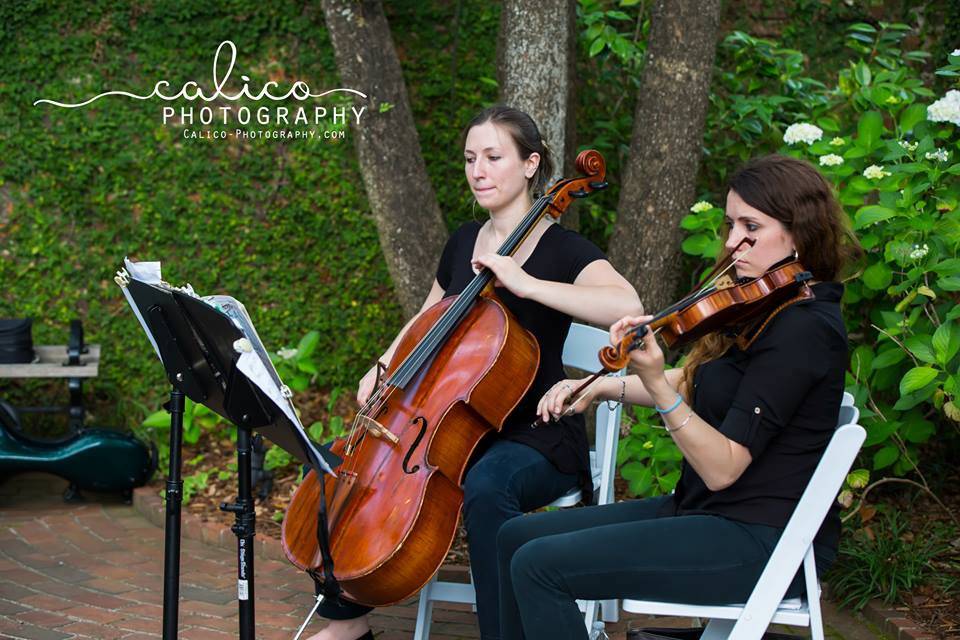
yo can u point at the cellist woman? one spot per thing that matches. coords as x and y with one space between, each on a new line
752 420
556 276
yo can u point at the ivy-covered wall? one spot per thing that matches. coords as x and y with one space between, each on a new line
283 226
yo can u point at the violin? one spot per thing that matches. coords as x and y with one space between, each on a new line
722 303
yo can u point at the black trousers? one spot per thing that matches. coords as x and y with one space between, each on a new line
507 480
636 549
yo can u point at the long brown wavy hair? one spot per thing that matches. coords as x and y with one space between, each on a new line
795 193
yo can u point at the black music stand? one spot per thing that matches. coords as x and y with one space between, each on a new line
200 346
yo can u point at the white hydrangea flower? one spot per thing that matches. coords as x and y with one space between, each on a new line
919 252
946 109
875 172
909 146
941 155
955 52
836 142
701 206
830 160
287 354
802 132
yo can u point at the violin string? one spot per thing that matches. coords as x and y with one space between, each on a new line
732 263
697 294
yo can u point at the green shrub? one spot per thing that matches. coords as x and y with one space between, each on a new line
886 559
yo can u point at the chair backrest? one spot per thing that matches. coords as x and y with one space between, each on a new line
800 531
580 351
849 414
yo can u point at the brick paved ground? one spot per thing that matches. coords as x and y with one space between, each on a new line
94 570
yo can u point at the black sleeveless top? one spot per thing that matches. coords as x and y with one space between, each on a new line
559 256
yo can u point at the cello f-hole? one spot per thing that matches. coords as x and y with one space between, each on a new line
413 447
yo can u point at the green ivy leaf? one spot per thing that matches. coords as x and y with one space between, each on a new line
871 214
911 116
946 342
949 267
596 47
308 344
879 432
157 420
949 283
862 73
885 457
917 378
861 362
918 431
878 276
696 244
858 479
869 129
888 357
921 347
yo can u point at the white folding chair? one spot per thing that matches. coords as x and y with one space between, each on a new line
766 604
579 351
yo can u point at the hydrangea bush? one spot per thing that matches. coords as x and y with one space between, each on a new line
889 145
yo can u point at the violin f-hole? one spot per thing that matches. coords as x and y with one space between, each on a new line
413 447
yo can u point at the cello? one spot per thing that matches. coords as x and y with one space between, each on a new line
455 376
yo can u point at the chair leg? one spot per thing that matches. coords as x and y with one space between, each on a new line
718 630
424 613
589 613
610 610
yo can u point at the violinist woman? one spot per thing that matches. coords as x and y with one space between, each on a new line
751 421
555 276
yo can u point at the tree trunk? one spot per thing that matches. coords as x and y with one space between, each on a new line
536 55
411 228
660 178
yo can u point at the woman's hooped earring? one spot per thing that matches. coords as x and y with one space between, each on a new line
795 255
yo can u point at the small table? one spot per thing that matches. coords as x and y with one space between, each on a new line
74 362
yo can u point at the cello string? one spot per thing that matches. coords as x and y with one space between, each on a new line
465 300
441 329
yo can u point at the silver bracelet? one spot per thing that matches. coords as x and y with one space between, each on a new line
612 406
679 426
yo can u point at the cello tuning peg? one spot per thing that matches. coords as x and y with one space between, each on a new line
599 185
580 193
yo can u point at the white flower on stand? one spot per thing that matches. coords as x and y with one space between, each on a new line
802 132
941 155
875 172
946 109
830 160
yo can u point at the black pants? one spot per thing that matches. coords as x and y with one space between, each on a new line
507 480
636 549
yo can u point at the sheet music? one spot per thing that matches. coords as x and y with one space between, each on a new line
148 272
254 363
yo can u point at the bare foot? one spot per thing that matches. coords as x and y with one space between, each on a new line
343 629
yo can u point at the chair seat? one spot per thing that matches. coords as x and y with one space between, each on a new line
572 497
792 611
